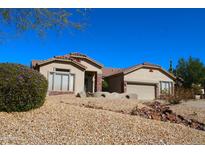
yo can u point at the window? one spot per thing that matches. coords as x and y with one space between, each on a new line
62 70
61 81
166 87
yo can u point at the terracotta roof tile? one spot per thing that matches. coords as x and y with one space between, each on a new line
82 56
114 71
34 62
77 54
110 71
74 56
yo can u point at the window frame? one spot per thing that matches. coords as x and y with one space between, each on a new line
61 70
168 86
61 73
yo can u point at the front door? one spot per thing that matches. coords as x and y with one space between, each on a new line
89 82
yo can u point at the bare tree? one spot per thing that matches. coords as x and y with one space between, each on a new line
41 20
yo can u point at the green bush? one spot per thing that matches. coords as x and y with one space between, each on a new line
21 88
105 86
197 89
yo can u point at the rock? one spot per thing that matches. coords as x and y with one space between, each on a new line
115 95
163 113
195 125
197 97
179 119
89 94
81 94
135 111
164 117
156 116
101 94
172 117
129 95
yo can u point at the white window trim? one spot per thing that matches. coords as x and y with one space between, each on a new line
169 88
62 73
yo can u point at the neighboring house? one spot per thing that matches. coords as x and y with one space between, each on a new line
73 73
147 80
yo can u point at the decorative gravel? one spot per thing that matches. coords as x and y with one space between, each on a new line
194 109
64 120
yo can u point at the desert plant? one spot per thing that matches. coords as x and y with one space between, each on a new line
197 89
21 88
105 85
180 94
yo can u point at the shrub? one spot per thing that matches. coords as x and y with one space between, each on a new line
105 86
197 89
180 94
21 88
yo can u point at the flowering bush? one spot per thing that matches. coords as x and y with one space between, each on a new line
21 88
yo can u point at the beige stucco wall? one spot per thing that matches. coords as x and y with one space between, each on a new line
90 66
79 74
144 75
115 83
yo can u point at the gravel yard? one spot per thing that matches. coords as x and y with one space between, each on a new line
118 105
65 120
194 109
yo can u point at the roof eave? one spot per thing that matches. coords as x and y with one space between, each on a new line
62 60
147 66
95 62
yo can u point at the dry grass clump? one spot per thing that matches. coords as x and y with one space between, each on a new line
180 94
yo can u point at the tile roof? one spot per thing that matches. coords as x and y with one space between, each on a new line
41 62
114 71
35 62
110 71
74 57
145 64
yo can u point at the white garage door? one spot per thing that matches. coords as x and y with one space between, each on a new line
144 92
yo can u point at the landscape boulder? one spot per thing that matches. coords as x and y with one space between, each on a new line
81 94
130 95
115 95
101 94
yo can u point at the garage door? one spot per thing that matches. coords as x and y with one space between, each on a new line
144 92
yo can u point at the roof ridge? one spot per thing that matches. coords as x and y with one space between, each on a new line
77 54
148 63
144 64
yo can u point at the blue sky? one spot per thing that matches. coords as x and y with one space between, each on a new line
120 38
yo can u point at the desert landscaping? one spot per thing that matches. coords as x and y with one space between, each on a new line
65 119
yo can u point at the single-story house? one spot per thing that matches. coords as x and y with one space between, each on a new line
70 73
147 80
76 72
